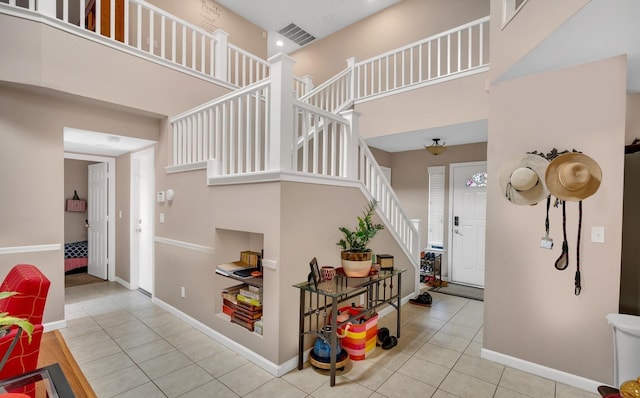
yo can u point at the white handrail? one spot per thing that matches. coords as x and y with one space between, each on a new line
334 95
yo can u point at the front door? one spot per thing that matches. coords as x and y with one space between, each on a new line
97 220
468 190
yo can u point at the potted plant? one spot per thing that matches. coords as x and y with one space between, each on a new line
6 322
356 256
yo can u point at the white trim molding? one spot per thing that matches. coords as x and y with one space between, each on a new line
49 326
542 371
31 248
238 348
185 245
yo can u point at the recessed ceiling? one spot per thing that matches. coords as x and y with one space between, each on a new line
94 143
319 18
455 134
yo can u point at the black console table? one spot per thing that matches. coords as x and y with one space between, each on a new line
320 303
50 378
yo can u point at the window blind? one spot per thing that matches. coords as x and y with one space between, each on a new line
435 234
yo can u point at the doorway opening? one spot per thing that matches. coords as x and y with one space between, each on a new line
97 221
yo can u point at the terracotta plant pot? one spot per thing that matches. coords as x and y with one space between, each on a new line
356 265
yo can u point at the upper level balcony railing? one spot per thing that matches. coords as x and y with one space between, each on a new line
145 30
454 53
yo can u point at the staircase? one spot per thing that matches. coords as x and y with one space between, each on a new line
273 125
317 132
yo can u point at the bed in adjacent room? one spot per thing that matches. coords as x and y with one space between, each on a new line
75 257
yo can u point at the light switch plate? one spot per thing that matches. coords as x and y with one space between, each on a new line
597 234
161 217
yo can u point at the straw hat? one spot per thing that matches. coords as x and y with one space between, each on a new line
521 179
573 176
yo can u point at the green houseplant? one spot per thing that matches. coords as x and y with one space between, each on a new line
6 320
356 255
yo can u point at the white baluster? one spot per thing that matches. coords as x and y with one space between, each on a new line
45 7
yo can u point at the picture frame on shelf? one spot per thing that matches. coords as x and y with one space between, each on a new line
314 275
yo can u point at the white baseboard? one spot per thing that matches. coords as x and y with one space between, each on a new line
49 326
272 368
123 282
542 371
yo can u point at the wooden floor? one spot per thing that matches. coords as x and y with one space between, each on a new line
53 349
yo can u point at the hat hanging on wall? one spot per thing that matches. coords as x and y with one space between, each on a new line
521 178
573 176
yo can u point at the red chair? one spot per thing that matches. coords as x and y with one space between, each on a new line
33 287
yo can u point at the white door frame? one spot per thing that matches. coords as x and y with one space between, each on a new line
134 274
450 192
111 219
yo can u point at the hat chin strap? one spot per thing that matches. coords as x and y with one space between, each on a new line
563 261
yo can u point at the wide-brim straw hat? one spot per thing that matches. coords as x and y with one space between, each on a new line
573 176
521 179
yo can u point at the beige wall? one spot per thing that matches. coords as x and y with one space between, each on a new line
75 179
526 298
32 197
533 23
396 26
210 16
453 102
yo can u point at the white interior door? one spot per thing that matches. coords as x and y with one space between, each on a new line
98 220
142 201
468 222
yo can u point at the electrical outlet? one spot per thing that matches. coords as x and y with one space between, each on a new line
183 292
597 234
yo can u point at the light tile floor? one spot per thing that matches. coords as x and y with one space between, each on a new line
129 347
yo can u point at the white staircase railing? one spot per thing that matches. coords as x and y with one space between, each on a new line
321 142
321 139
334 95
456 52
370 174
230 132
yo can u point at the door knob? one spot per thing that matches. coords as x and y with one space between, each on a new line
457 231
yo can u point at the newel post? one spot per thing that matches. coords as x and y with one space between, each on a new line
350 154
280 140
220 59
351 64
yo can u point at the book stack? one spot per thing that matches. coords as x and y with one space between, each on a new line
230 298
248 308
249 257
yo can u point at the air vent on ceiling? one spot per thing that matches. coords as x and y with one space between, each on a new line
296 34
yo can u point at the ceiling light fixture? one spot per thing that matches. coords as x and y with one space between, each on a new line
436 148
279 43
